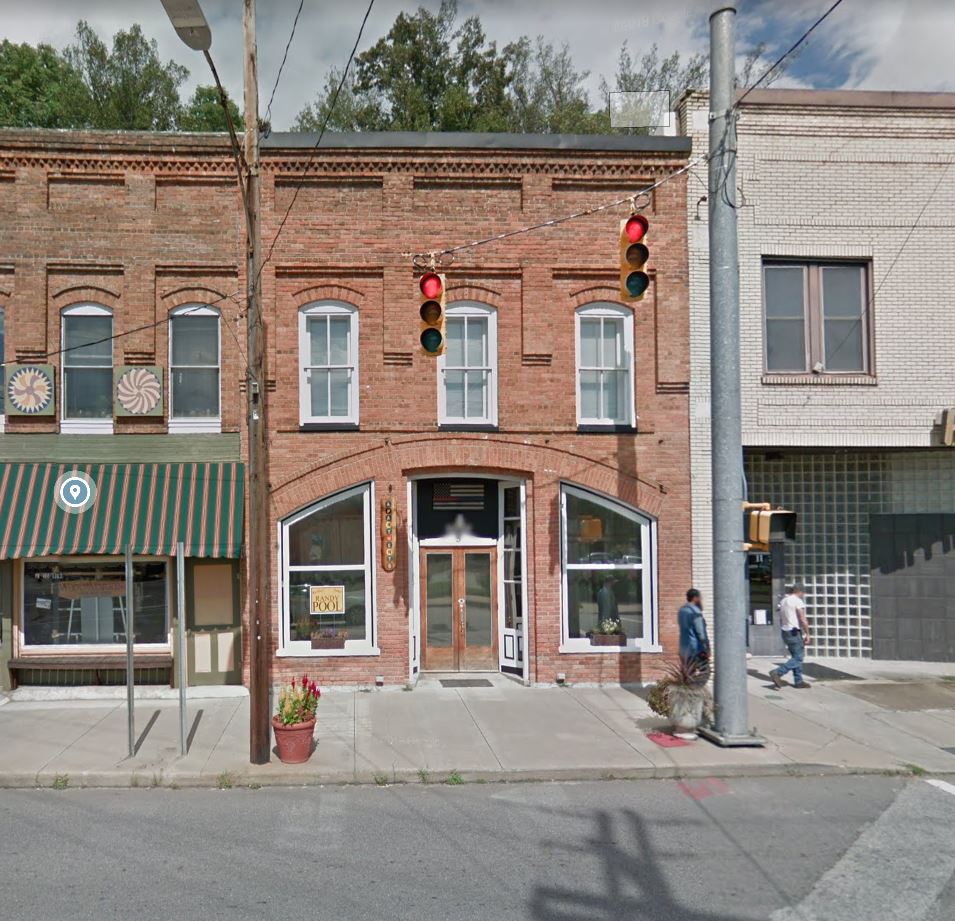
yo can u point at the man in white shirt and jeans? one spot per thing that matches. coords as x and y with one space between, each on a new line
792 621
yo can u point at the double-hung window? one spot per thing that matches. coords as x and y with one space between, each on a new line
816 317
328 350
467 371
87 401
194 385
605 365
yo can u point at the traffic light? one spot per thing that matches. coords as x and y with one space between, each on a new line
765 526
432 287
634 254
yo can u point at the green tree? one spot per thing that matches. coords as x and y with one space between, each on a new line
204 112
128 87
38 88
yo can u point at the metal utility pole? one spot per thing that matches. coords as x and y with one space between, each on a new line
729 602
259 564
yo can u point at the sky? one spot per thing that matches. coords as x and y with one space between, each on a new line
864 44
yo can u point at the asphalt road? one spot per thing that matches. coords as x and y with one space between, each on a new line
813 849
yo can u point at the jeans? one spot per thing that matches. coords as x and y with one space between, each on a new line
796 648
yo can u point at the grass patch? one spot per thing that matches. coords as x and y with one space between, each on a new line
424 775
381 779
225 781
60 782
916 770
454 779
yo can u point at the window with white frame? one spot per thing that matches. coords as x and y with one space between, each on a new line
607 571
194 369
327 576
467 371
3 408
604 365
87 401
328 350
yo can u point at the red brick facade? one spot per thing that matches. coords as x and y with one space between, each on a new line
142 224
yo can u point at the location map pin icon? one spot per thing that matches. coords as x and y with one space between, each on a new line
75 491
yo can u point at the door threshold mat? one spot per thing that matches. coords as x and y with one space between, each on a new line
824 673
465 683
951 751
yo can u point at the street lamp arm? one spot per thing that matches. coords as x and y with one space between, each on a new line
241 167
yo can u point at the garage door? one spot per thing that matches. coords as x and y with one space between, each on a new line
913 587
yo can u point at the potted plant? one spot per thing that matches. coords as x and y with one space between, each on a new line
294 721
328 638
608 633
681 694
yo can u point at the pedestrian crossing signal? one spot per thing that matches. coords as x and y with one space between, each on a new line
634 254
432 287
765 526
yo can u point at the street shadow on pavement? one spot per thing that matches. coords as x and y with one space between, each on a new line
632 884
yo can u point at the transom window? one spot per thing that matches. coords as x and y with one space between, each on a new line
328 346
327 576
607 569
87 403
467 386
604 365
194 370
816 317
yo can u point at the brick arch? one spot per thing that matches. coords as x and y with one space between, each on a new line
473 292
85 294
198 294
593 293
328 292
441 454
5 293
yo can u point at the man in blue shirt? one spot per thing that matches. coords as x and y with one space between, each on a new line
694 643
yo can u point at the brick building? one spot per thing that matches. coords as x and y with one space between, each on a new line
537 473
845 220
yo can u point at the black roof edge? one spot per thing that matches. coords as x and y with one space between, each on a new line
444 140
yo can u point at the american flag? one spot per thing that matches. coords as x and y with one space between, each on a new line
452 496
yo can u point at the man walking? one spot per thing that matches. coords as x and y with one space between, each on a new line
792 621
694 643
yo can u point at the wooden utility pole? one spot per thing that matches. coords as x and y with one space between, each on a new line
258 561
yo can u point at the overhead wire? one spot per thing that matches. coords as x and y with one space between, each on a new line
278 76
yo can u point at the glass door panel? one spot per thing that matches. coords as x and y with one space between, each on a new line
437 598
480 625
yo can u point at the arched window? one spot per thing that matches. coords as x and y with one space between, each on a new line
194 369
327 577
328 362
467 371
87 402
605 365
608 569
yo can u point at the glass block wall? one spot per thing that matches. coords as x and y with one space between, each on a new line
833 495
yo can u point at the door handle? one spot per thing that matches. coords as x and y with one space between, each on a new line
461 614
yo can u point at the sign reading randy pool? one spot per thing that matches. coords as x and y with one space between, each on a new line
327 599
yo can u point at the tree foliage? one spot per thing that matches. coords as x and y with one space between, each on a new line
38 88
203 112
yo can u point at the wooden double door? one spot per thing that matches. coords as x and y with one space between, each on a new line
459 609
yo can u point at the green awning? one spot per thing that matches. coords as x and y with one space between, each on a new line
150 507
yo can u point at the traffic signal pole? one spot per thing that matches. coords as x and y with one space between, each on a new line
729 600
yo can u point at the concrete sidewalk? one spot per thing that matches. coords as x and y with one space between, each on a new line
496 733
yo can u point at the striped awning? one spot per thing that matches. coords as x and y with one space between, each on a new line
149 507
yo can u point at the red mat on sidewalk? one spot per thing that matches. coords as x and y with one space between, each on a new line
665 740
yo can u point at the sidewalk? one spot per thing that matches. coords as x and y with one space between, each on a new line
882 722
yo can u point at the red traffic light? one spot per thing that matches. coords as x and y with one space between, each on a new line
431 285
636 228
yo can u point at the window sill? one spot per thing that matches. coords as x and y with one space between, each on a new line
587 649
467 427
608 428
823 379
86 426
199 426
343 426
306 653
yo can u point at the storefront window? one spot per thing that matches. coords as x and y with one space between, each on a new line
84 603
607 571
327 575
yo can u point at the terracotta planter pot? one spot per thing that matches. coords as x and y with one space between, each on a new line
607 639
327 642
294 743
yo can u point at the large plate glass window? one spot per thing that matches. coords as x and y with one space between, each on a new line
194 369
605 365
328 350
87 368
467 371
608 568
83 603
327 574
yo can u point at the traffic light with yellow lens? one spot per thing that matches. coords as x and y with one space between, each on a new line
634 254
432 287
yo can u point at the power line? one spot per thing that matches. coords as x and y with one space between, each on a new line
278 76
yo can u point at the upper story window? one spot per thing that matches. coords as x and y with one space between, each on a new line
604 365
328 350
87 403
467 371
2 374
194 370
816 317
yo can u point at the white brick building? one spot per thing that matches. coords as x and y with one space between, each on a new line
847 293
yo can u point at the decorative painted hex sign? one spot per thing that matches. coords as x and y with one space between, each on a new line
137 390
29 390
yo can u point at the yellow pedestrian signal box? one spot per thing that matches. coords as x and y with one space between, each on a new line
766 525
634 254
432 287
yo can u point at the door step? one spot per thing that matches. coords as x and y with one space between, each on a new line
465 683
